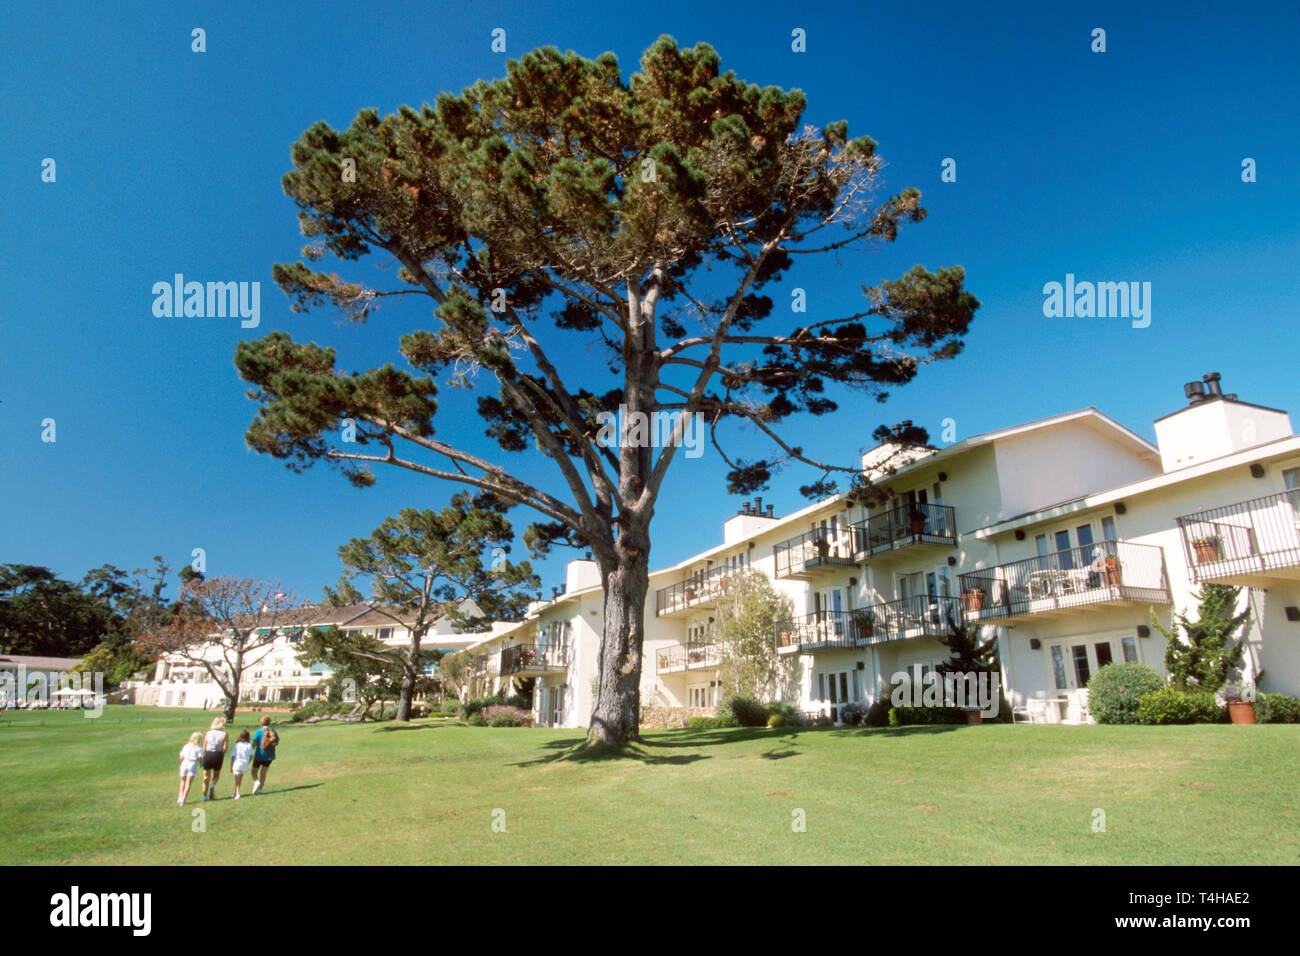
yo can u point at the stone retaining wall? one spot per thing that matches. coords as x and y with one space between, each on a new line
655 718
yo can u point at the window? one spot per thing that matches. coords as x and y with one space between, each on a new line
1129 644
1079 655
1108 529
385 633
1083 534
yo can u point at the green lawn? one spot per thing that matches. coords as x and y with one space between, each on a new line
103 791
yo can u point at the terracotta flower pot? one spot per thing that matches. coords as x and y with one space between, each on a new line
975 600
1241 711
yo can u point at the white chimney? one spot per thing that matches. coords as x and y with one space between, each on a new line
1214 425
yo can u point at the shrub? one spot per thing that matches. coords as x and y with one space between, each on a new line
705 723
477 720
746 711
776 720
1114 691
503 715
789 712
878 712
474 705
852 715
1279 709
1170 706
904 716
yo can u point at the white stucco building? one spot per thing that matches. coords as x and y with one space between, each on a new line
1058 536
276 674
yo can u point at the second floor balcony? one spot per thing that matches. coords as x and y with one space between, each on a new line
685 657
534 660
815 553
1095 575
485 665
700 589
911 528
919 616
1247 543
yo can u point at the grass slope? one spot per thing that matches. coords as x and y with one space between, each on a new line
103 791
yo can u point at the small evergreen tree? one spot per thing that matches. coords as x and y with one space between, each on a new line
968 655
1208 656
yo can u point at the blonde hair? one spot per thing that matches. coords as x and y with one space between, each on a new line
196 737
218 723
266 720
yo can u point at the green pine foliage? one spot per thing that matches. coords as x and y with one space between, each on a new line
1205 656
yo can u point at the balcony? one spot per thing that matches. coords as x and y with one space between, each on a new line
919 616
1106 573
534 660
1249 543
913 529
485 665
685 657
815 553
701 589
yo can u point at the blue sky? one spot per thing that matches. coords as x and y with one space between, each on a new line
1123 165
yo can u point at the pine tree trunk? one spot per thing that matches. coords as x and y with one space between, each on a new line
616 715
410 673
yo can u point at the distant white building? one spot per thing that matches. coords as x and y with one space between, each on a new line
1057 536
278 675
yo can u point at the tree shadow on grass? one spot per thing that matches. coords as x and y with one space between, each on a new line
579 751
727 735
908 730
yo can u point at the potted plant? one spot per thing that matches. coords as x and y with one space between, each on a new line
1240 710
866 628
975 598
918 521
1209 548
823 544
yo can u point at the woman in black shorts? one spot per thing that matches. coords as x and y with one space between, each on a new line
214 753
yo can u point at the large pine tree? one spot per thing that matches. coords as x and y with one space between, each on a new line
644 216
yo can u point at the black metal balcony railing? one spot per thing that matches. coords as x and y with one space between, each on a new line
899 527
686 657
1255 536
813 549
484 665
700 588
534 657
918 616
1097 573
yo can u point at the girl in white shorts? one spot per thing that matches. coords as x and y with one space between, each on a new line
240 758
190 756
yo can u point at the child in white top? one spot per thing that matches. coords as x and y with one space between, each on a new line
240 758
190 755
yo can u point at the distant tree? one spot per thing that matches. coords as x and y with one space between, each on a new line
44 615
1205 656
645 218
456 674
422 566
749 614
226 625
362 668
